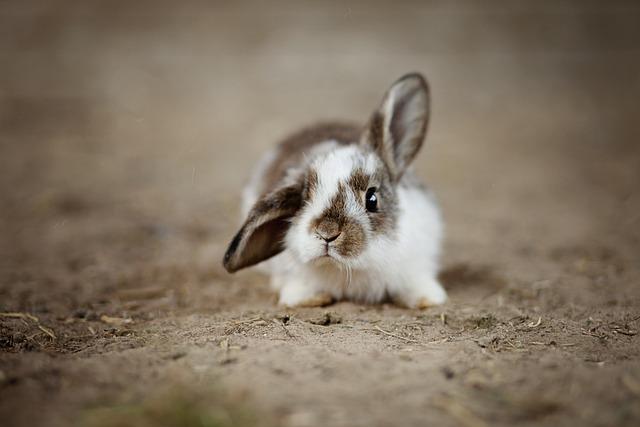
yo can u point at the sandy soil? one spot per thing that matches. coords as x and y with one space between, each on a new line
127 130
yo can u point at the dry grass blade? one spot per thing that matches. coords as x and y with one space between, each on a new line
440 341
47 331
591 334
15 315
282 325
224 344
378 328
25 316
242 322
114 320
628 333
536 324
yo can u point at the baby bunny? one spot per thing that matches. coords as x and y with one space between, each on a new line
343 212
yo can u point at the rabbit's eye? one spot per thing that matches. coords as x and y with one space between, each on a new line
371 200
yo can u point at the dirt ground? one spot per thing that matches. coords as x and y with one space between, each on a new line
128 128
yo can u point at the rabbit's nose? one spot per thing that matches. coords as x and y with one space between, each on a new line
330 237
328 231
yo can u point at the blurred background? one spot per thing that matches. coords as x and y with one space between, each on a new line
156 111
127 129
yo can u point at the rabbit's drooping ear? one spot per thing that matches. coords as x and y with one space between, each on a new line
396 130
262 235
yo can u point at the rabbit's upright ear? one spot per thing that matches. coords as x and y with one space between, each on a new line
262 235
397 129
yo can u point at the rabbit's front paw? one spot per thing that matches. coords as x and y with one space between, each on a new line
295 293
425 294
319 300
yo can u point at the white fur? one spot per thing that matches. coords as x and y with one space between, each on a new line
403 265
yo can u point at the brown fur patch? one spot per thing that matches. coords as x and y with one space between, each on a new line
311 185
358 181
292 149
352 240
384 218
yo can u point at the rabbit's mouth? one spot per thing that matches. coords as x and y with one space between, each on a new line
332 251
324 261
329 256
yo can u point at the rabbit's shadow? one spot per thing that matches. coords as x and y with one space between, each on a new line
464 277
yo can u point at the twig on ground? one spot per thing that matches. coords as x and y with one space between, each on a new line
253 319
628 333
591 334
282 325
378 328
25 316
443 340
47 331
224 344
15 315
116 321
535 325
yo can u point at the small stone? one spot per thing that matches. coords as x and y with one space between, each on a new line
326 319
448 372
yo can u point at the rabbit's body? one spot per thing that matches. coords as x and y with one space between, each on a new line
345 216
404 263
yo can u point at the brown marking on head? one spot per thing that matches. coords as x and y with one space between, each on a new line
311 184
358 181
383 220
292 149
352 240
333 221
334 213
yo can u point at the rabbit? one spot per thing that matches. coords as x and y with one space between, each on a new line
341 213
